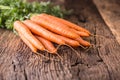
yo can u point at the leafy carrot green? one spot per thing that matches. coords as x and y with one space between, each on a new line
12 10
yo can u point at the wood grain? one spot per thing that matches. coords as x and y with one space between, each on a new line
101 62
110 12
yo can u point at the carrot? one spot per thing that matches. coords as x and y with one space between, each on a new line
54 26
70 24
22 29
82 34
32 47
48 45
83 42
69 41
37 29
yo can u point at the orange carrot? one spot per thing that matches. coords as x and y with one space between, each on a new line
32 47
83 42
22 29
70 24
69 41
82 34
54 26
48 45
37 29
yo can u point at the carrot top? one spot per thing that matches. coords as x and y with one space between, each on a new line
21 10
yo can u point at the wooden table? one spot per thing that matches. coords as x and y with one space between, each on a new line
100 62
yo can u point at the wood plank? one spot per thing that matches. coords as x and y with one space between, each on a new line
110 12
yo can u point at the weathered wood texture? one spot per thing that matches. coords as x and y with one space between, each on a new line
101 62
110 11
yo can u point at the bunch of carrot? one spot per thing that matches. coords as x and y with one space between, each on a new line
41 31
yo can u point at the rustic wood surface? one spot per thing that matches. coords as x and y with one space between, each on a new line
110 11
101 62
